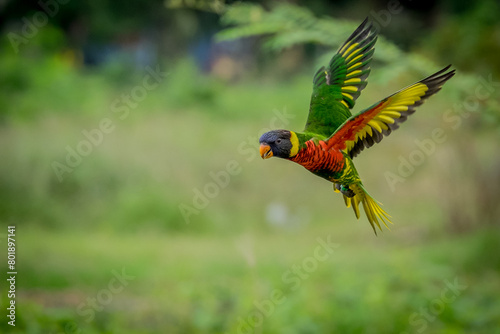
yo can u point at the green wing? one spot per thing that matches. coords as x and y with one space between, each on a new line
336 87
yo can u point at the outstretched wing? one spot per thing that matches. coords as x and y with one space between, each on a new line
371 125
336 87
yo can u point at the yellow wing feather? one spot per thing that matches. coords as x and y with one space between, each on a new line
371 125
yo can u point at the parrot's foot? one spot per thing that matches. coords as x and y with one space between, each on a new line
344 190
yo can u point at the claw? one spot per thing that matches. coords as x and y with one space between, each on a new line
345 190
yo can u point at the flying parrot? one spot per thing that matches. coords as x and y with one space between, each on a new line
333 136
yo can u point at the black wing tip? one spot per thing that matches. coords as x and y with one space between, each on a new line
364 30
368 23
362 27
435 81
439 77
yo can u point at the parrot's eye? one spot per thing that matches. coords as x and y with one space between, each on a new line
278 141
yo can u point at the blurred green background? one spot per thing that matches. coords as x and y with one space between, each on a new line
130 168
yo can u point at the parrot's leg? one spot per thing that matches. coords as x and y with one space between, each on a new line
344 190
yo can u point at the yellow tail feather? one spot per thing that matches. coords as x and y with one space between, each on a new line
372 209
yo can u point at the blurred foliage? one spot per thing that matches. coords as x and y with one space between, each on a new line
286 25
101 20
478 32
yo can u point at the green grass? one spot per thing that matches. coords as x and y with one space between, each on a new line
185 284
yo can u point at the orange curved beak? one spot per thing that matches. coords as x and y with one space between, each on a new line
265 151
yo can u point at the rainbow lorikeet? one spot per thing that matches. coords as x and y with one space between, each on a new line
333 136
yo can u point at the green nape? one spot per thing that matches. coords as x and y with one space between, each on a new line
303 137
